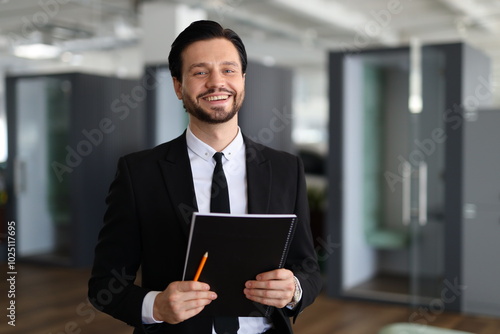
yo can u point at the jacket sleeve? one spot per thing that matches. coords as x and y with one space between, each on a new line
112 287
302 258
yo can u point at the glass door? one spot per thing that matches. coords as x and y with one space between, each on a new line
425 165
42 109
392 177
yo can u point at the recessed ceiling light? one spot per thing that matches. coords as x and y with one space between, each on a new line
37 51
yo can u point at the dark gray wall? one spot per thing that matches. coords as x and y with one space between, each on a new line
266 115
481 228
106 120
96 99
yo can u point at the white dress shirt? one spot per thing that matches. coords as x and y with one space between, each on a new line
202 167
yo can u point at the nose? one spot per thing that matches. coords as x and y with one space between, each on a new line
215 80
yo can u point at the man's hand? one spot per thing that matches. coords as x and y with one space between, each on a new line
273 288
181 301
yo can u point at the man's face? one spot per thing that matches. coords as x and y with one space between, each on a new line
213 83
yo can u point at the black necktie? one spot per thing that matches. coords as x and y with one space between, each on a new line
220 203
220 196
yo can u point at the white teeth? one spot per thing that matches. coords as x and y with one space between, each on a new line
216 98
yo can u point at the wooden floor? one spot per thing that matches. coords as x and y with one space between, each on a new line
53 301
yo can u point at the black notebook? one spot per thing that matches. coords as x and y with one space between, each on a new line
239 248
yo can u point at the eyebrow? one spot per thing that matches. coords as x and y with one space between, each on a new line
230 63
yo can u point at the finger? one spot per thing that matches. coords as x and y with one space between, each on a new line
267 294
286 284
181 298
193 304
178 293
277 302
277 274
186 286
199 295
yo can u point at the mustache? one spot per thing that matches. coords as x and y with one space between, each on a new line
211 91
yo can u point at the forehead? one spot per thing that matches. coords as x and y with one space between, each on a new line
210 52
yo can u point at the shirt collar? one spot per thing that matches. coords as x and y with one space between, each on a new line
206 152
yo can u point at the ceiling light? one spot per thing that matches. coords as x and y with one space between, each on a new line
37 51
415 102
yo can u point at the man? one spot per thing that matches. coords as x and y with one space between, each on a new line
155 192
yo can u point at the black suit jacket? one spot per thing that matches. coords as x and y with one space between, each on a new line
146 225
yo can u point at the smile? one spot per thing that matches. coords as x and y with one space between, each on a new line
217 97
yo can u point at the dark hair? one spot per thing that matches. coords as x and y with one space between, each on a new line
200 31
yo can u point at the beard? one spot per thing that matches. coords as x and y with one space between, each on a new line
219 114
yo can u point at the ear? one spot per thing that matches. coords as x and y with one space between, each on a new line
177 88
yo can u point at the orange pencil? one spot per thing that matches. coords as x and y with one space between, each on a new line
200 267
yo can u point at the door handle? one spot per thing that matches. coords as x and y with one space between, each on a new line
406 188
19 176
422 193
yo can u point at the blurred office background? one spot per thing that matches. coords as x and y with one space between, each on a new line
393 105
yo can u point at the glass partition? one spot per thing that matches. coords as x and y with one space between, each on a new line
42 130
392 178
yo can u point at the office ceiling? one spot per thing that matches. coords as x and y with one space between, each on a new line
295 33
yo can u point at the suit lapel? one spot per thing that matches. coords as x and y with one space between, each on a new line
258 178
178 179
